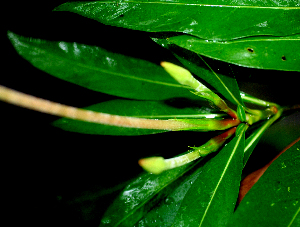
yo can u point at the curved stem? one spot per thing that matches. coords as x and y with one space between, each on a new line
57 109
253 100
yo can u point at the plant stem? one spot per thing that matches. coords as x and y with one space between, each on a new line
57 109
253 100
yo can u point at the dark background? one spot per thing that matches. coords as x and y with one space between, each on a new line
62 178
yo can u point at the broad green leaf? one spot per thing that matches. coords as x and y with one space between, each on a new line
98 69
267 52
138 197
274 200
211 199
227 86
145 109
208 19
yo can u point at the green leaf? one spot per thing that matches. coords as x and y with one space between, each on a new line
212 197
274 200
279 53
100 70
138 197
209 19
145 109
227 86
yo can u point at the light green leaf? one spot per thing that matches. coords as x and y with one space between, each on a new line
100 70
212 197
145 109
208 19
274 200
139 196
267 52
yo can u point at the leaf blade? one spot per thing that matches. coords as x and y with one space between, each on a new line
249 18
127 209
277 53
98 69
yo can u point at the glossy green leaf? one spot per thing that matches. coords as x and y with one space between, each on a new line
212 196
227 86
267 52
145 109
138 197
274 200
209 19
98 69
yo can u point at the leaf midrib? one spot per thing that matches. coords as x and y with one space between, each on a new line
221 178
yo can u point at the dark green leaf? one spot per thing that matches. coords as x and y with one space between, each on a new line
212 197
145 109
280 53
137 198
100 70
209 19
274 200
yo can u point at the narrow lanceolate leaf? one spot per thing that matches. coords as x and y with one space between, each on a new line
143 109
274 200
98 69
227 86
212 197
267 52
209 19
138 197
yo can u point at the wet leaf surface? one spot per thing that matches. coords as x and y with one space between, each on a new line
98 69
137 198
213 20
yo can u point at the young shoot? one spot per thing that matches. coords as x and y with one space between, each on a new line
157 165
184 77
